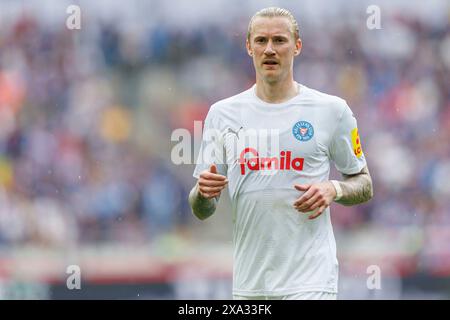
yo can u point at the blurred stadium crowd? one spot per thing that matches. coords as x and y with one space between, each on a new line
86 118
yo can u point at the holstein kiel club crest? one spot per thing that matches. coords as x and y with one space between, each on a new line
303 131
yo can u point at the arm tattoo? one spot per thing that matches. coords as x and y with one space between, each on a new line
201 207
356 188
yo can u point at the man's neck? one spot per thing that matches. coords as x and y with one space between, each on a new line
278 92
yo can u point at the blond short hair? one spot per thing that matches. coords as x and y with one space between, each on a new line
275 12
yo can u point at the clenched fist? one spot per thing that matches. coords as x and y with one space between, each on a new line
317 197
210 183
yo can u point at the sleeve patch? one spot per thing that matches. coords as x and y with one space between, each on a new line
356 143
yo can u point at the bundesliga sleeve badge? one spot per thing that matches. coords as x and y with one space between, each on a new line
303 131
356 143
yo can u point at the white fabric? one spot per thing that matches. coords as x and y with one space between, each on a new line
313 295
338 188
277 250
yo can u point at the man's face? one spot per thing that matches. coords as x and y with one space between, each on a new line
273 48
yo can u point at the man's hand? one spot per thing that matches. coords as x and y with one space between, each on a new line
316 196
210 183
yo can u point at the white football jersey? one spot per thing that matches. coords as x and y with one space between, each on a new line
264 149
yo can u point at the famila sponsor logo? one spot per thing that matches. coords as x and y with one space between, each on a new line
283 162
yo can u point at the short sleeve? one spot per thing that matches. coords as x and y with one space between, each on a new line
211 148
345 147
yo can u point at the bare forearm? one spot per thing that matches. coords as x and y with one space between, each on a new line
201 207
356 188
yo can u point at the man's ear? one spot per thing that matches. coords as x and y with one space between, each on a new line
249 49
298 47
